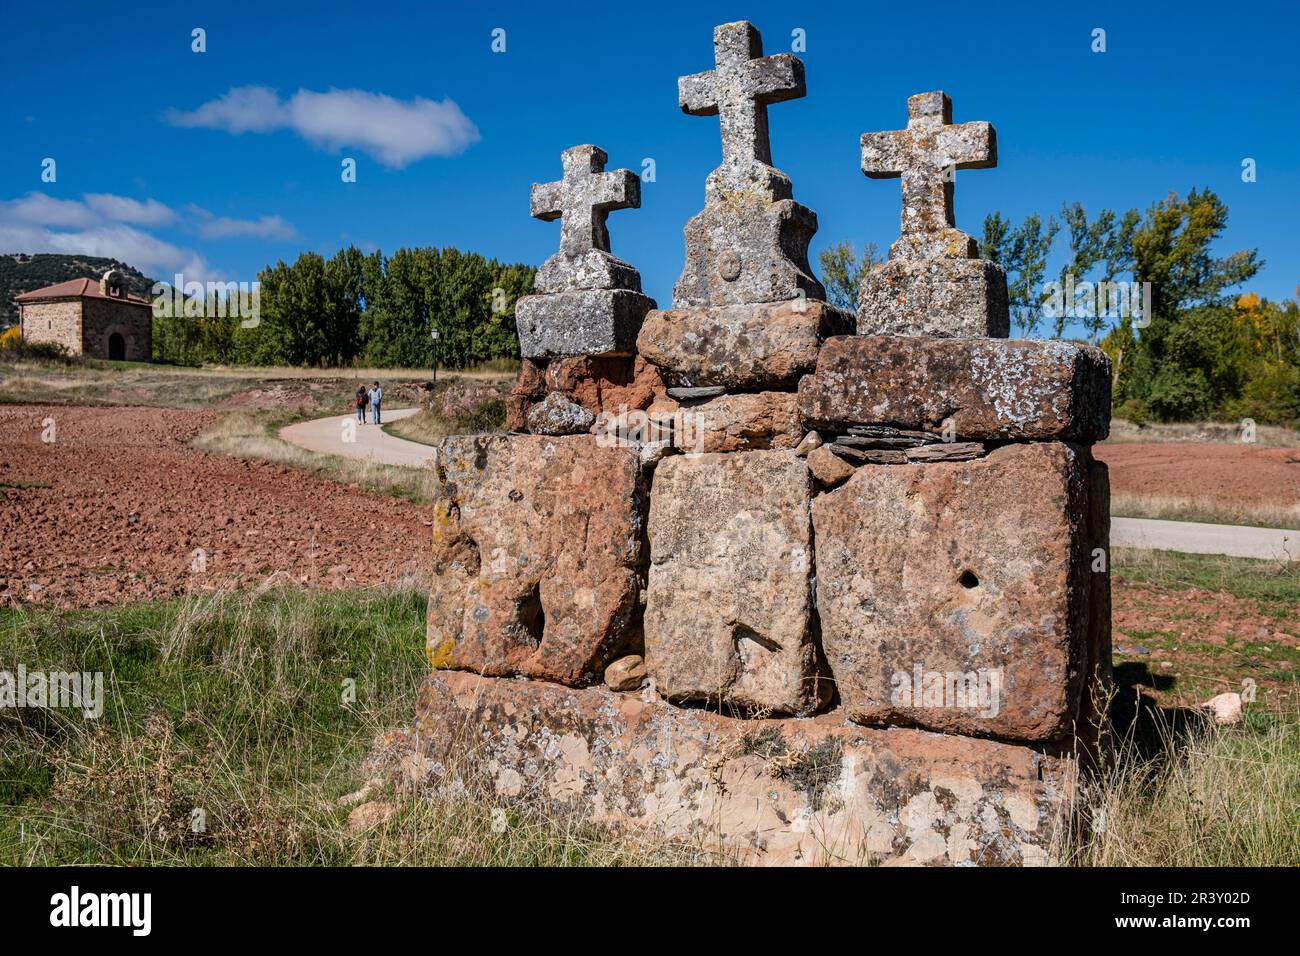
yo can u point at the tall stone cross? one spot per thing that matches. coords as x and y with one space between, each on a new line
738 91
584 198
925 156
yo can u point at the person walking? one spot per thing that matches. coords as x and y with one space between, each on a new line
362 398
376 397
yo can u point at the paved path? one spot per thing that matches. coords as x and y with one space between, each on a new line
1192 537
375 444
372 442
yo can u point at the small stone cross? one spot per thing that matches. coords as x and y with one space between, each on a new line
739 90
584 198
925 156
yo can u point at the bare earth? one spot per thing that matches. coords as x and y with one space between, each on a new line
1227 474
113 510
1186 645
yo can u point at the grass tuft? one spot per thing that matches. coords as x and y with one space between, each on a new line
230 711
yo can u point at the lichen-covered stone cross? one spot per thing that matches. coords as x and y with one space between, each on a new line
584 198
738 92
925 156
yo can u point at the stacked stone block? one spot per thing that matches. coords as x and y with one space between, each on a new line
900 528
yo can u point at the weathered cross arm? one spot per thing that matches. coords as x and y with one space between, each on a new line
778 78
884 154
546 201
617 189
696 94
967 146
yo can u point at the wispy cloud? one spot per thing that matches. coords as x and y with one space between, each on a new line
148 253
102 224
224 227
395 132
122 209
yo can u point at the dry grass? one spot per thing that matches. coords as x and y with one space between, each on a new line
245 435
226 710
1201 796
1171 508
96 382
225 740
1125 432
429 427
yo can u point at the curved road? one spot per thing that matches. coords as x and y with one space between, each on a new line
1192 537
374 444
341 435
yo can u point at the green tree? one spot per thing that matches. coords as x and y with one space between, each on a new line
1100 252
843 271
1022 251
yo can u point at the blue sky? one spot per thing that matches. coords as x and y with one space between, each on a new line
448 136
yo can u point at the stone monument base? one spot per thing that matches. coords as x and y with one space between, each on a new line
589 322
959 298
790 791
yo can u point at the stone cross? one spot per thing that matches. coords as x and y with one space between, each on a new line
584 198
925 156
739 90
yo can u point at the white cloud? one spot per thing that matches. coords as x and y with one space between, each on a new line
224 227
41 210
396 132
245 109
151 255
148 213
102 224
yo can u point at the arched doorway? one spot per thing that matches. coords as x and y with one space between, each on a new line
116 347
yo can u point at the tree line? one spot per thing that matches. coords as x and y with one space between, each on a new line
357 309
1148 288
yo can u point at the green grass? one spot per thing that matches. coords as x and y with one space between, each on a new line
232 706
1271 581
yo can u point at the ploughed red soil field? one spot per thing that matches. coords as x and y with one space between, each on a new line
1222 474
119 508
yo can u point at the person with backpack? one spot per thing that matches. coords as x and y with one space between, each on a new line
362 398
376 396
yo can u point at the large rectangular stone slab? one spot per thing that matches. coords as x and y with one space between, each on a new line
762 346
537 556
958 596
590 322
728 614
990 389
780 792
963 298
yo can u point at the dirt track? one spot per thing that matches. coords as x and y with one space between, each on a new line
1220 474
113 510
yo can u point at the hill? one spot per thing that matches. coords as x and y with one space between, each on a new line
20 272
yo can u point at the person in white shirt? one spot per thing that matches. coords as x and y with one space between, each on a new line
376 396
